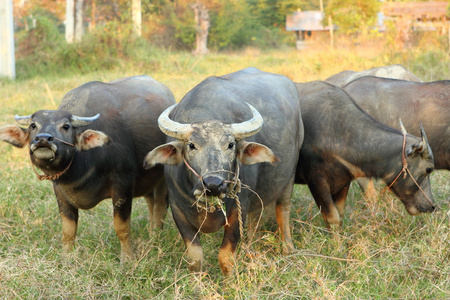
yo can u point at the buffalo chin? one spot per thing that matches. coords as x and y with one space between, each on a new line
412 210
44 153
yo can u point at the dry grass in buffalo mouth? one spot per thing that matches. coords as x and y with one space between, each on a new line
211 204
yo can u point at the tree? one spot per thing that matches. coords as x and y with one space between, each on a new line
74 20
70 20
353 16
202 27
78 20
136 17
7 61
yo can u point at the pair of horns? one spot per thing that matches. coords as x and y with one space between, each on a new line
75 120
184 131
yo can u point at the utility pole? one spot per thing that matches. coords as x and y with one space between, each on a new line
7 59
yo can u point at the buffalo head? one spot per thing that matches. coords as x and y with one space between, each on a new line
52 137
412 183
210 151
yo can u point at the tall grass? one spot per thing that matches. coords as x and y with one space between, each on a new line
380 253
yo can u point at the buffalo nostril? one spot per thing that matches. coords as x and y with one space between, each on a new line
44 137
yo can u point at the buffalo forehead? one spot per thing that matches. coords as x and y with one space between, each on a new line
47 117
209 130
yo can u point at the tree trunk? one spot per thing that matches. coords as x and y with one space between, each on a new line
202 27
7 59
136 16
78 20
70 8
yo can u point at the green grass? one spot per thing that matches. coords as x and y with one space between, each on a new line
380 253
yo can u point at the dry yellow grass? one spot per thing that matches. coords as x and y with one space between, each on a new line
381 252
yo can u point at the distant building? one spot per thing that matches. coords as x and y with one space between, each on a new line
305 23
422 15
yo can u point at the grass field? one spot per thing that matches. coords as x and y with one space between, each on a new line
380 253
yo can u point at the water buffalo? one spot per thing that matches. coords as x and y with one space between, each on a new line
343 143
392 71
388 100
216 149
92 158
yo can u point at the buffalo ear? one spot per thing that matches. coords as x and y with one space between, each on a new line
15 135
252 153
89 139
423 147
167 154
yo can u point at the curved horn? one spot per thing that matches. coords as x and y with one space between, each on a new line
83 121
171 128
428 150
402 127
248 128
23 120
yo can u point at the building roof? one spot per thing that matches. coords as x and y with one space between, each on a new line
305 21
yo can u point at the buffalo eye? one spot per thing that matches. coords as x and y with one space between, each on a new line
231 145
191 146
33 126
66 126
429 170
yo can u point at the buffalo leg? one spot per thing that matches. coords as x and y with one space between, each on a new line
257 217
122 213
230 240
368 187
69 219
190 236
339 201
283 210
157 206
322 195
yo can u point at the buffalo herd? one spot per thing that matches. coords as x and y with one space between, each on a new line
234 145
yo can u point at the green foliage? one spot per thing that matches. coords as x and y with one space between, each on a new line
353 16
37 48
43 50
237 24
231 25
43 38
272 12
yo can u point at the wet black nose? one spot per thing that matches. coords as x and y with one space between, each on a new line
215 185
426 208
43 137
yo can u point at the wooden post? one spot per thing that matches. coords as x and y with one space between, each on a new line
330 26
7 60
